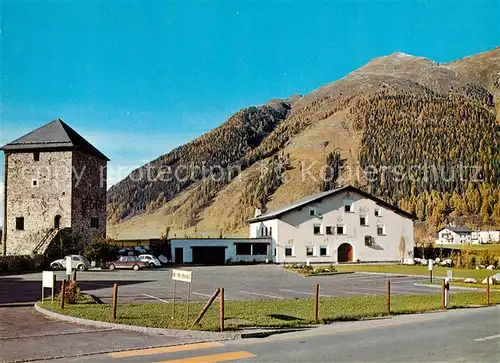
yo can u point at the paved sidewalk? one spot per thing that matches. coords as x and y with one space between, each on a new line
27 335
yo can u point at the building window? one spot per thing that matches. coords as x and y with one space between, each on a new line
323 250
381 230
36 156
348 208
20 223
310 250
260 248
378 212
312 211
289 251
341 229
34 183
317 229
329 230
94 222
369 240
244 249
363 221
270 231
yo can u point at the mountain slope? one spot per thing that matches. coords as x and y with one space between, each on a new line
395 112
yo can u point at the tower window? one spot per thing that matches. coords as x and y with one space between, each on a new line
94 222
36 156
20 223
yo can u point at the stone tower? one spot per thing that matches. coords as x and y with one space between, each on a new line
55 191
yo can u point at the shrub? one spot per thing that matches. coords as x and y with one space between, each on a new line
100 250
71 293
486 258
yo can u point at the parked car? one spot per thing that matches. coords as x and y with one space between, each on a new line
127 262
77 262
151 260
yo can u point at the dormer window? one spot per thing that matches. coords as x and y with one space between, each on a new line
36 156
312 212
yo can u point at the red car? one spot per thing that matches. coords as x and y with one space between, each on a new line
131 262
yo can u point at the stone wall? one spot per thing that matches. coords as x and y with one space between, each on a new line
16 264
39 204
89 198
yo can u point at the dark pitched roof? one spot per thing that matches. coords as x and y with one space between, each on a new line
54 135
458 229
313 198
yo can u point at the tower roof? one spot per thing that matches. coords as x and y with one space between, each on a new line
54 135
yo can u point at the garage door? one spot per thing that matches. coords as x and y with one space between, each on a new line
209 255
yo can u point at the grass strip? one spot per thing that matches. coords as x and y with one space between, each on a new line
271 313
416 270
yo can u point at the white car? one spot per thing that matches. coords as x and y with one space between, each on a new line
150 260
78 262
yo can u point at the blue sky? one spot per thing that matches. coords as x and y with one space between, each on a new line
139 78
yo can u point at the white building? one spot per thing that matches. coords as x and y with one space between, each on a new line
455 235
218 251
485 236
340 225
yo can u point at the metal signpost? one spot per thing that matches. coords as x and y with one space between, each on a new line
446 292
185 276
49 282
431 266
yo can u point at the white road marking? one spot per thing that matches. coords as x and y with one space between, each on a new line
487 338
256 293
199 293
156 298
304 293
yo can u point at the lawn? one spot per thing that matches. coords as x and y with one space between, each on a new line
271 313
416 270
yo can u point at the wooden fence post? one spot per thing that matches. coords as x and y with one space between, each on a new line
207 305
115 301
443 298
63 293
388 297
221 309
316 302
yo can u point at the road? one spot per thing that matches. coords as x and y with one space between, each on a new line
471 335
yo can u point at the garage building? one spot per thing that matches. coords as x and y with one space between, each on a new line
218 251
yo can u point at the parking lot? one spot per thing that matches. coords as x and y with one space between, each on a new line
240 282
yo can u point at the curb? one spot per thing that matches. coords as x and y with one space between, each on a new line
454 287
212 336
267 333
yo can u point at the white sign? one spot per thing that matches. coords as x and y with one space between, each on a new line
449 274
68 265
182 275
48 279
431 264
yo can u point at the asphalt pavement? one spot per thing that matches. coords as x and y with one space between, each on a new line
471 335
239 282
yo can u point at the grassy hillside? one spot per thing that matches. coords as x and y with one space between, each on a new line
392 114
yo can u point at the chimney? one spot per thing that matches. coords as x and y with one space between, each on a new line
257 213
